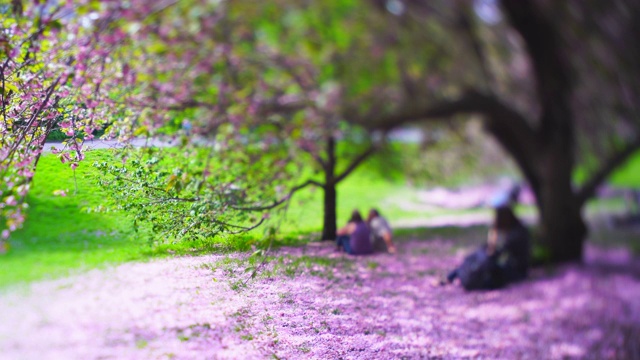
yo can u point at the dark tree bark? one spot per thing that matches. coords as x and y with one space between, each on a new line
331 181
563 229
561 224
329 222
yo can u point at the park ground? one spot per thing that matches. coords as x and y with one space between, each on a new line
312 302
81 284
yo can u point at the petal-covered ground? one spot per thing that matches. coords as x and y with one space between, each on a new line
311 302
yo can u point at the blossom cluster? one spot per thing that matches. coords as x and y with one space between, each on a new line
52 78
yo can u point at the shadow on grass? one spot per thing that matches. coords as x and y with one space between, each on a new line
465 235
61 224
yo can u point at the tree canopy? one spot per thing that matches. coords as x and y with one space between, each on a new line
252 91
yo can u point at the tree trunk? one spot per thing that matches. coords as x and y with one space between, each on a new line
329 226
562 228
563 232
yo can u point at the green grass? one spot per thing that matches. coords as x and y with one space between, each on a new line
61 236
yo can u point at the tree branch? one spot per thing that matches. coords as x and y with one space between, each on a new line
355 163
278 202
242 229
471 102
510 128
33 117
267 108
315 157
588 190
276 107
190 104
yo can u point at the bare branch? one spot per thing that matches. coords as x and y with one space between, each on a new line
276 107
507 125
471 102
315 157
278 202
241 228
356 162
33 118
190 104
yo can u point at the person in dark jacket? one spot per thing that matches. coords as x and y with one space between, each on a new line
504 258
354 237
510 245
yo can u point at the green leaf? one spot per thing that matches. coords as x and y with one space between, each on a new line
257 253
9 87
173 179
142 130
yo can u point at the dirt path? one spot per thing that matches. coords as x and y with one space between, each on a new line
111 144
311 302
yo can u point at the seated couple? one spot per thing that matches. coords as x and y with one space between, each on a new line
359 237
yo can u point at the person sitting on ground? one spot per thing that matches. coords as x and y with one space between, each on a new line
381 235
354 237
506 197
504 258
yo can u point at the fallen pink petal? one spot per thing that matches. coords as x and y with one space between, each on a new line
195 307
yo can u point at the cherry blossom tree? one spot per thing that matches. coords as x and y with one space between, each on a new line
51 74
243 80
242 77
274 85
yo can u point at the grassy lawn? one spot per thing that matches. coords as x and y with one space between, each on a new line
62 235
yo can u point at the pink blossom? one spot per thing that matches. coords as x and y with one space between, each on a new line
25 173
10 200
61 193
14 52
64 157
